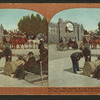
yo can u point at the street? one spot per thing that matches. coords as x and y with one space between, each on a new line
61 73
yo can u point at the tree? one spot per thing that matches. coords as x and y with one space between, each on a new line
45 26
39 23
32 25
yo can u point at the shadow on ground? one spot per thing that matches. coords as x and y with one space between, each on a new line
71 71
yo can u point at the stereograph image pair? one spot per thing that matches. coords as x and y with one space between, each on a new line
61 53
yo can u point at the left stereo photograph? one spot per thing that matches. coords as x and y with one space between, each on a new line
23 48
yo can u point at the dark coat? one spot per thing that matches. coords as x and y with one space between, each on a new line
20 72
76 56
4 40
7 53
41 45
86 52
30 63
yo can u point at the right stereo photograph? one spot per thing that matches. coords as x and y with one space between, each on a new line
74 48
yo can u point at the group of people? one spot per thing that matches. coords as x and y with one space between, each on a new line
63 39
76 56
29 65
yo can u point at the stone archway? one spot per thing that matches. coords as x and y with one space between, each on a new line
69 27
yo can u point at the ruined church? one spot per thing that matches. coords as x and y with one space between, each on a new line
64 29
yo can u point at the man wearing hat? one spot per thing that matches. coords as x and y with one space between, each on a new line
31 62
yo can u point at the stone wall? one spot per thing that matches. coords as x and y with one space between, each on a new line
57 30
53 32
1 31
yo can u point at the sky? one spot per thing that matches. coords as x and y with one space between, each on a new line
10 17
88 17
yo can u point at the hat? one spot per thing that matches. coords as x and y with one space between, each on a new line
30 53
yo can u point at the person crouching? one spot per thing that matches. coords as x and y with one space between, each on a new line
75 57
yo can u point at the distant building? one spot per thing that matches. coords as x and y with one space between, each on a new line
58 30
1 31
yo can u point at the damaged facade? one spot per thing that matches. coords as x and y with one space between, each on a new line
57 30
